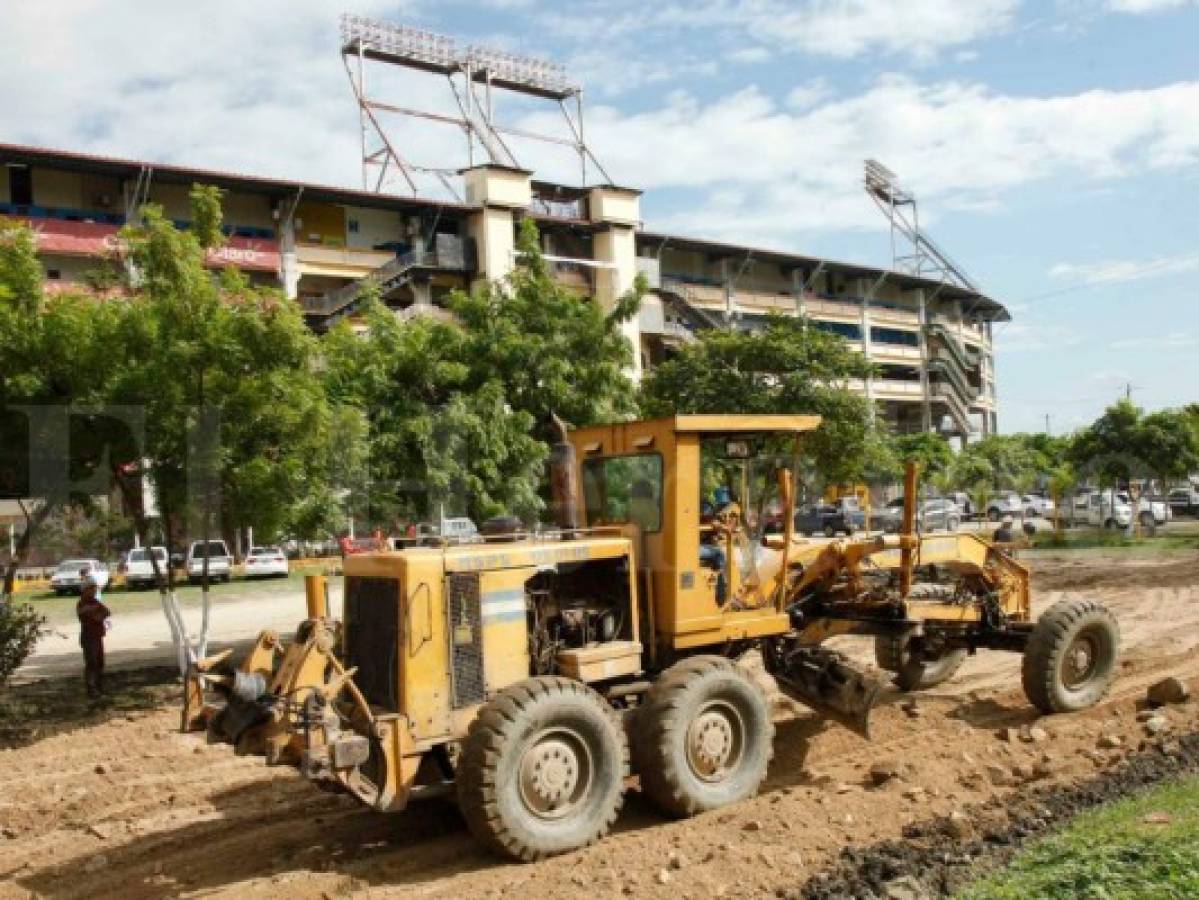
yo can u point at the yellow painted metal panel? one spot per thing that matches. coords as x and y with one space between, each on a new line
505 627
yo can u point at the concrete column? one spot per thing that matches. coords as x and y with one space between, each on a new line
500 191
797 284
289 260
614 245
867 345
926 398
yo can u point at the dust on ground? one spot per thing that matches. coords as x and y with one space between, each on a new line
119 803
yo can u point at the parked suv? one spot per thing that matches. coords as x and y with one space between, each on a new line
830 519
1037 506
1096 508
1150 510
138 567
1006 503
220 563
1184 501
931 515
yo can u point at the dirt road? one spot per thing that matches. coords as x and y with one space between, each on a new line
129 808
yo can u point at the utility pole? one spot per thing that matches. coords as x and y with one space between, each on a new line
1048 431
1128 391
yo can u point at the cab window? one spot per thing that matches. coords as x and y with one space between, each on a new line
619 489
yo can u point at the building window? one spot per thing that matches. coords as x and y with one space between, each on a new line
846 330
895 336
20 185
53 274
352 226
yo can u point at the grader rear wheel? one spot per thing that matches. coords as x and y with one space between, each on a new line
1071 656
542 769
704 737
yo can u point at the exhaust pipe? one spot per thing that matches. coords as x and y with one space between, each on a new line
564 481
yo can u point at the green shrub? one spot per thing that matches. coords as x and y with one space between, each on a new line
20 627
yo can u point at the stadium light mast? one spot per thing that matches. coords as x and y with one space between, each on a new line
912 250
475 75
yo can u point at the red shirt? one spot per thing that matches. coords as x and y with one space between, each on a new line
92 614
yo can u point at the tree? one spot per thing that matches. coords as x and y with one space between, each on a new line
550 350
1169 445
931 451
458 412
52 358
785 367
437 441
236 425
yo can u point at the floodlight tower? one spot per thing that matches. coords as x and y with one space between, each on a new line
912 250
475 74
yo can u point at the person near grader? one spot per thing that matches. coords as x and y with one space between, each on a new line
1005 534
94 620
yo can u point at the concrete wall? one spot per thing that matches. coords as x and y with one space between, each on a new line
375 226
53 188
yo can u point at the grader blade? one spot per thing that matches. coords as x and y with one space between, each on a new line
824 681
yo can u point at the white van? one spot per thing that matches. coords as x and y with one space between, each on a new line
138 567
220 563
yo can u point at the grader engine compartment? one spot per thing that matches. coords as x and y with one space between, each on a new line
580 612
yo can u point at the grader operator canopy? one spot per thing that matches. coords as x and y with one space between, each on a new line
532 673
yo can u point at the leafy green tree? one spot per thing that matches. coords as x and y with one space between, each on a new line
1169 445
931 451
236 423
438 441
53 351
549 349
785 367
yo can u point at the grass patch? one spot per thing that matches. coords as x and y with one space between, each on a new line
60 611
1142 847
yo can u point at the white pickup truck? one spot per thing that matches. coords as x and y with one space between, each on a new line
1149 512
1096 508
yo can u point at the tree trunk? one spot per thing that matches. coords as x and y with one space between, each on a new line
33 521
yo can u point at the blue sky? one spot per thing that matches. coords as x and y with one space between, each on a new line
1054 145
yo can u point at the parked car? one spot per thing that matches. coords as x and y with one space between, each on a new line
138 567
830 519
965 504
1005 503
1036 506
1184 501
68 575
266 562
939 513
1096 508
220 563
1150 510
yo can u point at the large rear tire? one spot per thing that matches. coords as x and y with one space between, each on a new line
1071 657
542 769
704 737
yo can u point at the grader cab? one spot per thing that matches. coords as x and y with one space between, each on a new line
532 673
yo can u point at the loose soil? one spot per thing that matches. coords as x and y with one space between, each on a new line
113 801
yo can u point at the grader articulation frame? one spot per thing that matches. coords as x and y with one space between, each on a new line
531 674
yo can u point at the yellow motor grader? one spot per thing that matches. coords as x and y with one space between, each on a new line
532 673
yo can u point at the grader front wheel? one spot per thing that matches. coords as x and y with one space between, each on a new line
1071 656
704 737
542 769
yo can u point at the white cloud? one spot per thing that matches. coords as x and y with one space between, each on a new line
808 94
840 29
1140 7
748 55
850 28
1122 270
